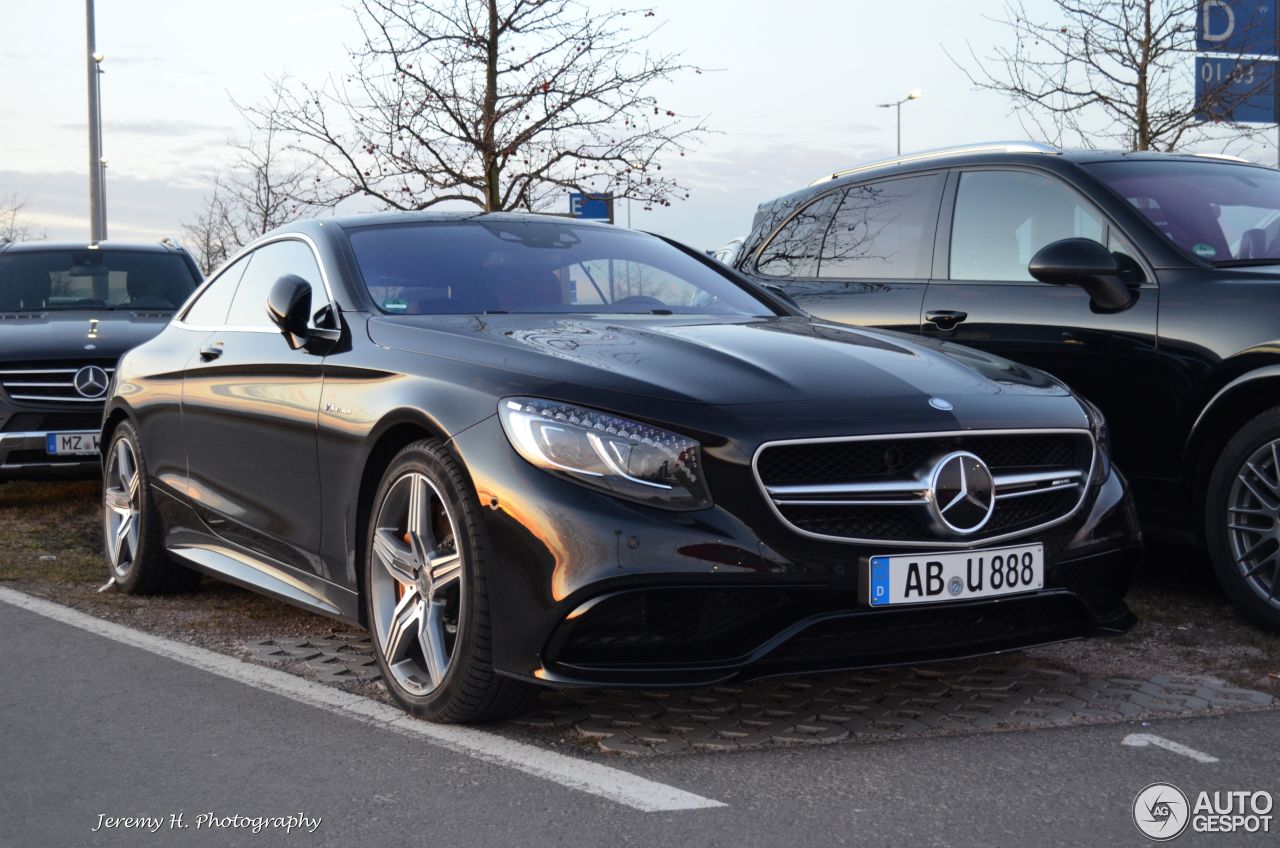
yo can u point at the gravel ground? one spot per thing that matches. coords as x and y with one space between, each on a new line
52 549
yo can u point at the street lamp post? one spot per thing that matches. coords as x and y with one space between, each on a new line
915 94
97 166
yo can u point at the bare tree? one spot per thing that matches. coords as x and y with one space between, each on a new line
14 224
1114 71
264 189
503 104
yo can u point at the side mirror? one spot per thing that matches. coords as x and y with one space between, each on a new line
289 307
1085 263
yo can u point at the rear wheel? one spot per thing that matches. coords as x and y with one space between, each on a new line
425 595
132 532
1242 519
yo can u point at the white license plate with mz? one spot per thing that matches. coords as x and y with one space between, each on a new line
896 579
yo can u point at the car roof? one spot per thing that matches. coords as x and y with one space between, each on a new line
50 246
1021 152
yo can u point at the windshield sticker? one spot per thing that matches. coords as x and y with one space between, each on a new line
1206 251
395 304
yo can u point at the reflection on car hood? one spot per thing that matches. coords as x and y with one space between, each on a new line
717 361
74 334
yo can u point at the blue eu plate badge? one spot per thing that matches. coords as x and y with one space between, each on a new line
879 590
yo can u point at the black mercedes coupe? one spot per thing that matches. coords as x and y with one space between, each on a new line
525 450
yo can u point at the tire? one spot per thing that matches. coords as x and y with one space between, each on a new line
132 532
1242 519
430 625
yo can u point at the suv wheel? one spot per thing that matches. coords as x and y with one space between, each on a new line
131 528
425 593
1242 519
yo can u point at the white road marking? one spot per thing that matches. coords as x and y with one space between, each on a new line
607 782
1142 740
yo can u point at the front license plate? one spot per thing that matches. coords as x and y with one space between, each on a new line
896 579
71 444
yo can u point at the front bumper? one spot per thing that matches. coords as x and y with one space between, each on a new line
586 589
23 455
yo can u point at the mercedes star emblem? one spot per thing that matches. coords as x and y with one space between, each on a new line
962 494
91 381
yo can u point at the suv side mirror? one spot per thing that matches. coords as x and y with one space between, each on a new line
1085 263
289 307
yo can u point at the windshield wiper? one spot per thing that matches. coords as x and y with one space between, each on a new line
1246 263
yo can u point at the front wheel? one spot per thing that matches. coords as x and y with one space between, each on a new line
1242 519
425 597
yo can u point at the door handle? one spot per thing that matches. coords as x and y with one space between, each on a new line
210 352
945 319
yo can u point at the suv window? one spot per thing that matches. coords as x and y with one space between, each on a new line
210 308
40 280
270 263
793 251
883 230
1002 218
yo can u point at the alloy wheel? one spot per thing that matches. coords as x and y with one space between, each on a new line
1253 522
122 502
416 583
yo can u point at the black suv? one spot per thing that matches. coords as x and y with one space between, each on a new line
1164 275
67 313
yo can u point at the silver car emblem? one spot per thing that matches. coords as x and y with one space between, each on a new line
91 381
940 404
962 494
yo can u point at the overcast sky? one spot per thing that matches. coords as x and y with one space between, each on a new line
794 95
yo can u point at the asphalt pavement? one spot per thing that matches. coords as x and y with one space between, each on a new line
92 729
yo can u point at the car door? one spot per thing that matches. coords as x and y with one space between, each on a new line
250 408
995 220
861 255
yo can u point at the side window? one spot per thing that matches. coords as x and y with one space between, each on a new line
884 230
270 263
210 309
1003 218
793 251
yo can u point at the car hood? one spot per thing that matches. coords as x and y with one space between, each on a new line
75 334
817 367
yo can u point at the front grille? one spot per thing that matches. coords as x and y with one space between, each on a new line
48 422
50 382
925 634
877 489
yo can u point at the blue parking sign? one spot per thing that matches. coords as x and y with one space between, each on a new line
591 206
1232 90
1242 27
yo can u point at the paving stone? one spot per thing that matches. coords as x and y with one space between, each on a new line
865 705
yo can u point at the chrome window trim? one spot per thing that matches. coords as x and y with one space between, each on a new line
957 544
179 318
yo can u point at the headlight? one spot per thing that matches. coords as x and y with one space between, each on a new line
616 455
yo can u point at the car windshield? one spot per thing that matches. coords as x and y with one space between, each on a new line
43 280
1225 213
494 266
